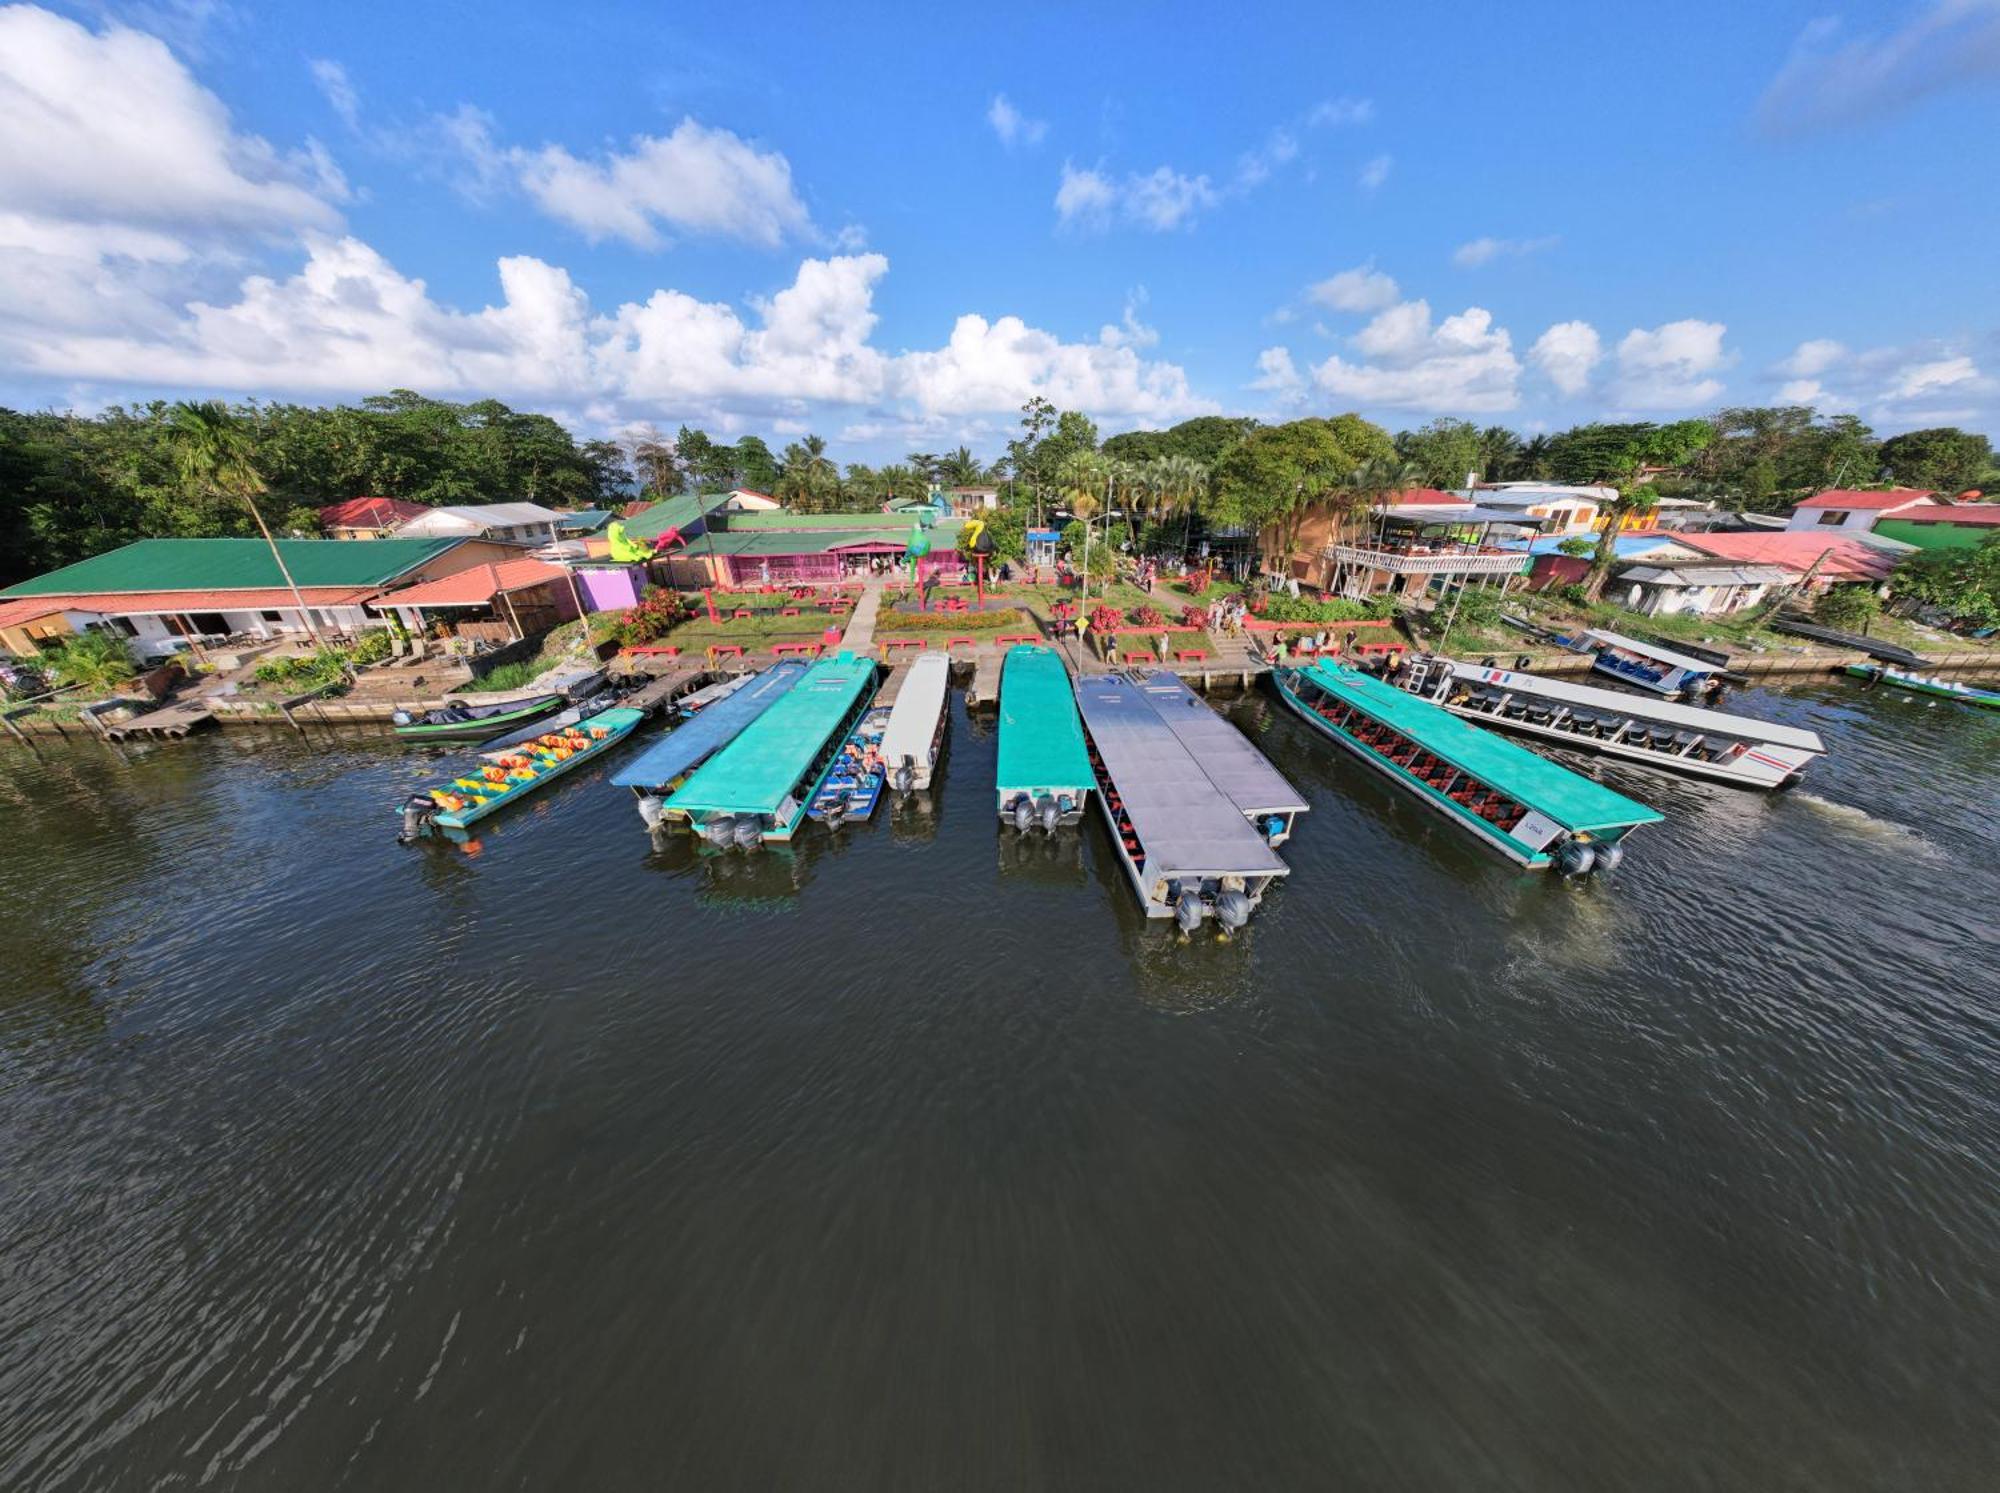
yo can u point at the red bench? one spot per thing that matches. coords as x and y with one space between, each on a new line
885 644
655 650
810 650
1190 655
1137 655
954 642
723 650
788 611
1017 637
744 613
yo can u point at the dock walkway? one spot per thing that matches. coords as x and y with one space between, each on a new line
860 634
172 721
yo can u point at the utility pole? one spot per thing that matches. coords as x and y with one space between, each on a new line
305 612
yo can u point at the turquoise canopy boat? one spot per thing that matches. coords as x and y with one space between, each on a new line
760 785
509 774
663 766
1526 807
1044 775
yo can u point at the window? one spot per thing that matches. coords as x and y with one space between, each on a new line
272 616
1833 516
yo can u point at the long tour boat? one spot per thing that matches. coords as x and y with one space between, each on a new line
1532 811
509 774
1648 666
1244 774
759 787
456 720
709 726
1687 739
1926 684
915 736
1186 847
1043 776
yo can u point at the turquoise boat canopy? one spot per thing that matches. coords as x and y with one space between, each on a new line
1570 799
757 771
698 739
1041 738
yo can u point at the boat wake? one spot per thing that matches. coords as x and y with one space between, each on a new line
1861 822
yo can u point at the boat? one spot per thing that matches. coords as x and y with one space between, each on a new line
758 787
1529 809
1043 776
1926 684
508 775
696 701
1185 846
1687 739
915 737
1888 653
706 728
1647 665
1244 774
854 786
457 721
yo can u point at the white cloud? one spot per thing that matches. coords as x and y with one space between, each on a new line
1830 79
1342 111
1802 391
1278 376
1566 354
331 79
995 365
1376 172
1485 250
1361 289
1896 387
1256 166
1670 367
695 180
1161 200
1464 364
1012 126
1813 357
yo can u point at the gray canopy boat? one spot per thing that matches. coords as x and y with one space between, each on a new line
1244 774
1187 848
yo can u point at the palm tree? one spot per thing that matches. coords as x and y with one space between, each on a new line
216 455
926 462
1499 448
961 468
1083 479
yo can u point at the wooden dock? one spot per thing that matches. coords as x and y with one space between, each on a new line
169 721
663 689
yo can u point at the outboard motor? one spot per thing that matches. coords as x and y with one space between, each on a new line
1024 814
419 809
720 832
1189 911
1273 827
749 833
836 813
401 718
1048 813
651 807
906 776
1608 857
1576 858
1232 910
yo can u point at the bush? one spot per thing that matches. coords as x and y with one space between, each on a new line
1279 607
92 660
658 612
891 620
1104 618
303 672
1194 617
1149 617
1847 607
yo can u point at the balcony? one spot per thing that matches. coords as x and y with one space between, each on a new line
1422 560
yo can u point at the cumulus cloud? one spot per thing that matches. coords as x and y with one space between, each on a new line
1671 367
1012 126
1463 363
1341 111
1361 289
1376 172
1485 250
1160 200
1566 354
1832 78
1813 357
1893 387
1278 376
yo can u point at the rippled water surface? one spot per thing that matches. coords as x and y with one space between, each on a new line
914 1161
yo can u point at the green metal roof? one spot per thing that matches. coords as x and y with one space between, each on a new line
785 544
677 512
234 565
893 523
1041 738
754 773
1572 800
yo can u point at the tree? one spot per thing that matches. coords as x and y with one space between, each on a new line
92 661
1945 459
610 478
1445 450
1656 445
1037 417
960 468
753 466
927 463
1499 449
1273 476
656 461
1962 583
1848 607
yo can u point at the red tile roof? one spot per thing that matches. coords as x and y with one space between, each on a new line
134 603
27 609
368 513
1796 550
475 587
1979 514
1847 497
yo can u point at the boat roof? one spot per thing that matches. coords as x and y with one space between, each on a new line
757 771
1572 800
1244 774
1652 650
1041 740
1188 826
702 735
913 719
1664 711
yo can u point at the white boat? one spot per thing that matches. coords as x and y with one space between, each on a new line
915 734
1686 739
1649 666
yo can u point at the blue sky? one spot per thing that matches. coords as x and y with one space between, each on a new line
892 225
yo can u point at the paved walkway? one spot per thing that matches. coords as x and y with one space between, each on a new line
860 634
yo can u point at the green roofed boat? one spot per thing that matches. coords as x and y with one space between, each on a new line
1044 775
1533 812
759 787
1926 684
458 721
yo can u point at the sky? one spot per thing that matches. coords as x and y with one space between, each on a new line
891 225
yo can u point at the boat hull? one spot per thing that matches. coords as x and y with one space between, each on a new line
481 728
1921 684
462 819
1767 769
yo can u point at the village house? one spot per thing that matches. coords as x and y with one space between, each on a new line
500 601
1857 511
731 545
367 518
512 523
1952 526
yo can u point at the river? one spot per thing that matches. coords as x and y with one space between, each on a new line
917 1160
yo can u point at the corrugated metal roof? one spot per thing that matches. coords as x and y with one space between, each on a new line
1859 499
900 523
678 512
1185 824
273 598
695 741
756 771
1244 774
1041 739
1651 650
475 587
233 564
1573 801
1707 575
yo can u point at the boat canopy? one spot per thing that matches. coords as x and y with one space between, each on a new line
1575 802
1653 651
1041 742
1692 717
1244 774
1187 826
913 719
757 771
702 735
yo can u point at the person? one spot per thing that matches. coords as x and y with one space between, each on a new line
1111 649
1278 651
1163 646
1352 634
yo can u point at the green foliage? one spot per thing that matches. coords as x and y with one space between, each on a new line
1848 607
1279 607
1201 439
1103 557
1964 583
1765 459
895 619
1579 546
1944 459
303 671
91 661
1477 607
658 611
1443 451
1009 529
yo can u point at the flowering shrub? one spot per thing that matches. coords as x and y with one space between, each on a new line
1103 618
657 612
1149 617
1194 616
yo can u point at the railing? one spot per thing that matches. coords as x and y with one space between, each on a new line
1448 562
